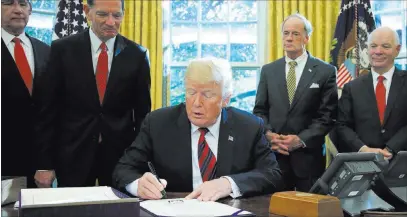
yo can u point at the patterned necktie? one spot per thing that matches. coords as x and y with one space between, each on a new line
381 97
22 64
207 160
291 81
101 72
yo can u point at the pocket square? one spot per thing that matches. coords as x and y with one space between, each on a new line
314 85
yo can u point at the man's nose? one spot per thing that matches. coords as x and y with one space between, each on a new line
110 20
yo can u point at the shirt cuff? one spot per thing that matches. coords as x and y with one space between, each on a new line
235 190
133 187
362 147
303 144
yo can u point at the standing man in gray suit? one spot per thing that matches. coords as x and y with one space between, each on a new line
297 99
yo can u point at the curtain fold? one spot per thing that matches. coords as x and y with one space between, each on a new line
323 16
321 13
142 23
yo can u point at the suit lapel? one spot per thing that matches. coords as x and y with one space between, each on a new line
37 61
225 144
370 95
396 85
12 71
119 46
281 84
185 148
305 80
89 73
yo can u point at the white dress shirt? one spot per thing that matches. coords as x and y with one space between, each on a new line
25 42
301 61
95 45
212 138
388 76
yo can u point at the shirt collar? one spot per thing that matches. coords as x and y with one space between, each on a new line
8 38
388 75
299 59
214 129
96 42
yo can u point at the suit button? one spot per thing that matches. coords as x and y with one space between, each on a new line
383 131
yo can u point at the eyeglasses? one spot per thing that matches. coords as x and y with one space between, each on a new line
22 3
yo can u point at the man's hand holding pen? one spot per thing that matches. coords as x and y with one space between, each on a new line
150 188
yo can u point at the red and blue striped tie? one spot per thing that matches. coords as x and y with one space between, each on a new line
207 160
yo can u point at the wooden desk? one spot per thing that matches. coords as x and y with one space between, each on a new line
258 205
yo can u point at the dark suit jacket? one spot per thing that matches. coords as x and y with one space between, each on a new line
71 117
165 139
358 118
311 115
17 108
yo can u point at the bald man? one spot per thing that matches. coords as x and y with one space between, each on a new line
372 109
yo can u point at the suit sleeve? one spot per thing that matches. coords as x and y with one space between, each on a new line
133 164
143 101
46 99
326 114
399 141
345 123
262 106
266 176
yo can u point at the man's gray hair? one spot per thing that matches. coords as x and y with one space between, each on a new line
211 69
307 24
395 34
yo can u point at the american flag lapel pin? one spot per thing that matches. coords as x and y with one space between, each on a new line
230 138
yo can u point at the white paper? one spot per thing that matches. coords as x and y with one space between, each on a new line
10 189
44 196
183 207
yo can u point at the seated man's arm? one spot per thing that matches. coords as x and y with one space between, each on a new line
133 164
346 122
266 176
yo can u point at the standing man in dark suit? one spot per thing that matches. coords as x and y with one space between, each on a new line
22 62
297 99
96 92
202 145
372 109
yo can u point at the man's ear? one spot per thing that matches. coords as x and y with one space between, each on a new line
226 100
31 8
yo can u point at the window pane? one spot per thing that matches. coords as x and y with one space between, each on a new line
43 5
401 63
386 5
40 26
244 88
184 10
243 10
177 91
184 42
243 47
214 10
214 39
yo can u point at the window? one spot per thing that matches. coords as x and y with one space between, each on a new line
233 30
41 22
393 14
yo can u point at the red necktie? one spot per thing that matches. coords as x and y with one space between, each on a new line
207 160
101 72
381 97
22 64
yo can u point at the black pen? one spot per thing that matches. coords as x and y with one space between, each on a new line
152 170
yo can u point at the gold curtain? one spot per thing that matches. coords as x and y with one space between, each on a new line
321 13
142 23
